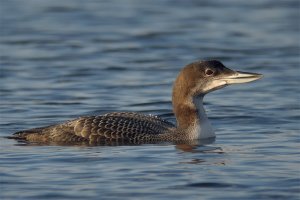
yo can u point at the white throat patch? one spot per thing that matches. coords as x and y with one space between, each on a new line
202 128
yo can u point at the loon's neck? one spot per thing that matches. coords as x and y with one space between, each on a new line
192 119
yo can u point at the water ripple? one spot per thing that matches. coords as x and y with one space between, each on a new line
61 59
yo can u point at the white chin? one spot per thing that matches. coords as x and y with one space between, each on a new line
215 85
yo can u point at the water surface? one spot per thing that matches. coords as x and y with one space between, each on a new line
63 59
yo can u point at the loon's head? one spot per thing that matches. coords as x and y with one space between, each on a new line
202 77
192 83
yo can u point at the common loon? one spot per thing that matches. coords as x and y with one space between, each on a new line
193 82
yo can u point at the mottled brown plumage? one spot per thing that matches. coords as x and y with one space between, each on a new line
193 82
121 127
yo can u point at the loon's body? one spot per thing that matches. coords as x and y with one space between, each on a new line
193 82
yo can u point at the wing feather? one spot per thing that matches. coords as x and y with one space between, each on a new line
124 125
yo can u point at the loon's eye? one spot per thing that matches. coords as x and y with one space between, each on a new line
209 72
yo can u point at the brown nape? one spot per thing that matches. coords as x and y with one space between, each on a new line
186 116
184 89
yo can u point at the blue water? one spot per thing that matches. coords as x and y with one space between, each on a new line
64 58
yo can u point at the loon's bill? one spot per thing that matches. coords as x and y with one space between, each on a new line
242 77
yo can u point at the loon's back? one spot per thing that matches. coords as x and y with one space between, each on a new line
113 127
